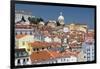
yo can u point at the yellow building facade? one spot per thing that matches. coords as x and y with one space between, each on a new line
22 42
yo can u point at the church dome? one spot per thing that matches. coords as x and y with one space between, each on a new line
61 18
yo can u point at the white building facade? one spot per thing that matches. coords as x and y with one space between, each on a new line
59 60
20 13
22 57
89 51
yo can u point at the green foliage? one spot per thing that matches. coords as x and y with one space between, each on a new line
35 20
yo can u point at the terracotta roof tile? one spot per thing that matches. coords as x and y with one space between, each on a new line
20 36
47 55
43 44
40 56
39 44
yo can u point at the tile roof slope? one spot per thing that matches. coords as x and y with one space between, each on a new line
47 55
40 56
39 44
20 36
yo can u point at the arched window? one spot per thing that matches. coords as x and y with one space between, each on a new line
37 49
34 49
27 59
84 56
64 59
43 48
18 62
24 62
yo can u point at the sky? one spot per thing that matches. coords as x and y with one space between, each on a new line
77 15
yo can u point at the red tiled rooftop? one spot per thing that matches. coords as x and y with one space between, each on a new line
40 56
43 44
55 43
39 44
26 26
20 36
46 55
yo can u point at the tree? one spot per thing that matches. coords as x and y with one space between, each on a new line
58 24
35 20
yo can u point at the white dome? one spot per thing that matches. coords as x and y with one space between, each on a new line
60 17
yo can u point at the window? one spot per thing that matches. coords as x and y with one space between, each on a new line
21 33
92 49
23 43
34 49
88 57
88 54
37 49
92 56
27 59
30 33
42 48
25 53
67 60
28 49
18 61
88 49
61 59
24 62
92 53
84 56
20 54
